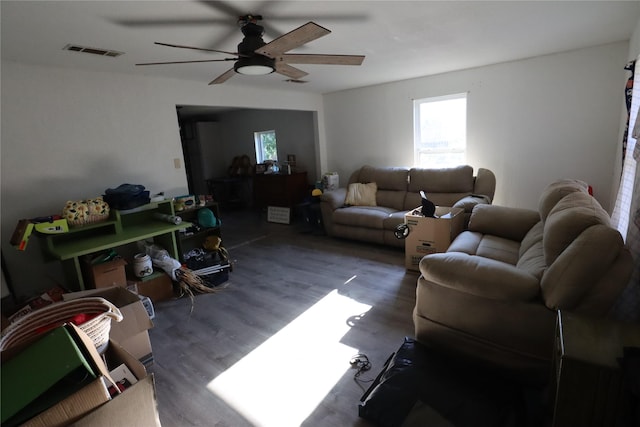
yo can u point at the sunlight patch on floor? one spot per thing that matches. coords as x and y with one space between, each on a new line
282 381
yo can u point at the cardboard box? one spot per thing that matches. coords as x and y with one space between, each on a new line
73 407
106 274
158 286
90 397
132 332
431 235
136 406
48 370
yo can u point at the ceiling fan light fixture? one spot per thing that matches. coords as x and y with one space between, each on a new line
255 66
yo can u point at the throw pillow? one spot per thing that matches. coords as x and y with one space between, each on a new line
361 194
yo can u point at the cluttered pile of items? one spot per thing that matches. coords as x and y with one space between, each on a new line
153 271
68 357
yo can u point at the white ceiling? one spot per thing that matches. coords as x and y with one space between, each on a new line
401 39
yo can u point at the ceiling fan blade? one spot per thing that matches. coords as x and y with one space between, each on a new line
197 48
301 35
289 71
172 22
223 77
188 62
293 58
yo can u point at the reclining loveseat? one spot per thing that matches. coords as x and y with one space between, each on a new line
494 295
376 199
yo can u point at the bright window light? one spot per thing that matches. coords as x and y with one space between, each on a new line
266 145
282 381
440 131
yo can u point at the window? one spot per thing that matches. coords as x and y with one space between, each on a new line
622 210
266 148
440 131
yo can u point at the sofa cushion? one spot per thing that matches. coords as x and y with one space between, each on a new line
556 192
479 276
503 221
385 178
449 180
499 249
392 199
362 216
531 255
466 242
587 261
487 246
359 194
573 214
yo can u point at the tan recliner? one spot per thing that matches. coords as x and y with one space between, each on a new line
494 295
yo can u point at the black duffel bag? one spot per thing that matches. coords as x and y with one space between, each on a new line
126 196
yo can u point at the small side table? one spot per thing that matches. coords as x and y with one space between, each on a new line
587 383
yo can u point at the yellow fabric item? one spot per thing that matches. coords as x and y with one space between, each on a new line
361 194
316 192
212 243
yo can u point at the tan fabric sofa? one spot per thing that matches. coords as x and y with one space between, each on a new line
398 192
495 293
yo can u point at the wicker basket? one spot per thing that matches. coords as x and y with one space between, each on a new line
85 212
37 322
90 219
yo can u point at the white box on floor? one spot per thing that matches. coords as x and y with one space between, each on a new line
429 235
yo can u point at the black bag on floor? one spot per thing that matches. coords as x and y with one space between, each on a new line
458 391
396 389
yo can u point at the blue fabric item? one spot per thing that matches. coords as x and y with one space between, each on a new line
206 218
126 196
128 189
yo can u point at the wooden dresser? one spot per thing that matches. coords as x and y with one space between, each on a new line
279 189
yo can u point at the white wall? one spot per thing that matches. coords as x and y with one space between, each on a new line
70 134
295 134
530 122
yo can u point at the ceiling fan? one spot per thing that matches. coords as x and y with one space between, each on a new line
256 57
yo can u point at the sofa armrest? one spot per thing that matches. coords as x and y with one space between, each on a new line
485 183
479 276
334 198
469 202
502 221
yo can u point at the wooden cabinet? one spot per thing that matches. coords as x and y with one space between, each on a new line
587 379
122 228
279 189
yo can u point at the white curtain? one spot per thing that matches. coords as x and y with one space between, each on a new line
626 213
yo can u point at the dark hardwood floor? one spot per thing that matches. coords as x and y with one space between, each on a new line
272 348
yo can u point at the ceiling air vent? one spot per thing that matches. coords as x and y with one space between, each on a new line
296 81
93 50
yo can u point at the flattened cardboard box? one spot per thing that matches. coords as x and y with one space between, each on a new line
136 406
132 332
90 397
73 407
29 373
430 235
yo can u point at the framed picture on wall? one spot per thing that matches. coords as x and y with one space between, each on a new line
260 168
